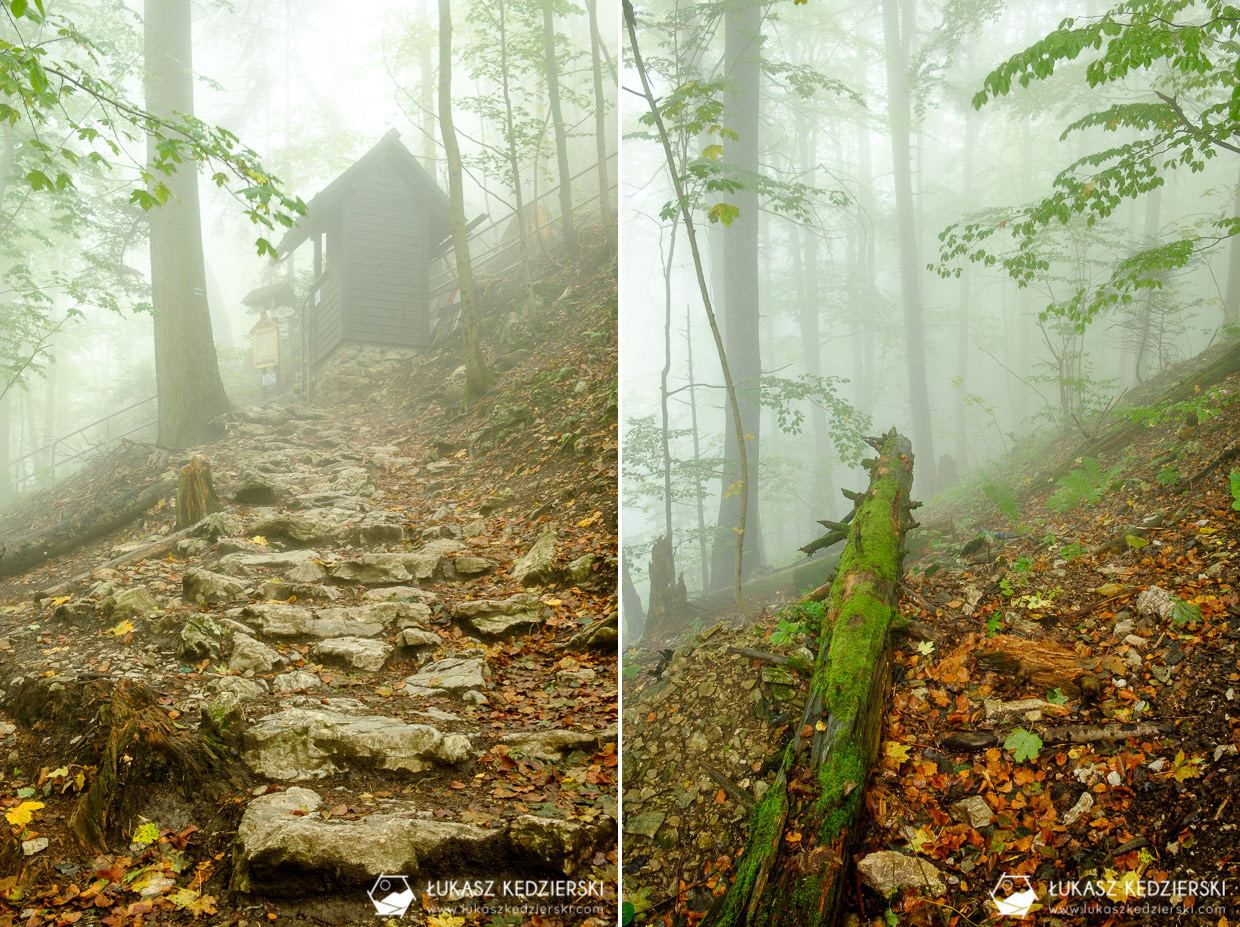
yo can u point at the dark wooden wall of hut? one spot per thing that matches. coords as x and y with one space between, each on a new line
386 286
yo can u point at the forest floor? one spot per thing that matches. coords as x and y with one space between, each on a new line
392 653
1046 605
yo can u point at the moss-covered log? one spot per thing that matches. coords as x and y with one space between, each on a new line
817 793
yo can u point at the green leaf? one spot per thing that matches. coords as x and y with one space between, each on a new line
39 180
1136 542
723 212
1056 697
1025 745
18 7
627 911
712 152
147 833
1184 613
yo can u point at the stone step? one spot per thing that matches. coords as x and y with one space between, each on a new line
310 740
370 620
289 842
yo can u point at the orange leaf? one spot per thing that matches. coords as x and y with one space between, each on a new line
720 797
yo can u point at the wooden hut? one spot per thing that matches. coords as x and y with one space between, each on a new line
375 229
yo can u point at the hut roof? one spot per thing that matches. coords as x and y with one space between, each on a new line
389 148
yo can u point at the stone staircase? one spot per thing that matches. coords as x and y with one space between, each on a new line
344 660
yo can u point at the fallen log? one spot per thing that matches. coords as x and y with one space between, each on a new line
114 512
818 790
155 549
965 741
792 581
1045 665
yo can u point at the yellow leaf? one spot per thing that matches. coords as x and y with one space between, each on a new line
259 540
590 519
896 751
123 628
712 152
23 814
61 599
444 920
552 602
920 839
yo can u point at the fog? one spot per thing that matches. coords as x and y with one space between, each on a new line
835 291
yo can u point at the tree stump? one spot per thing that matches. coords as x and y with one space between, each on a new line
196 498
668 596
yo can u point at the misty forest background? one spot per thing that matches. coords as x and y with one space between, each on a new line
98 115
895 229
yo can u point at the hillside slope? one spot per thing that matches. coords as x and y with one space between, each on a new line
393 653
1064 706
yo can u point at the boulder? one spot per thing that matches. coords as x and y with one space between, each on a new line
275 589
257 490
297 565
416 639
280 852
200 639
294 621
310 743
202 587
580 570
603 635
294 530
537 567
218 525
889 871
473 566
401 594
298 680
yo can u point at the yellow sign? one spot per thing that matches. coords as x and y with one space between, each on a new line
266 338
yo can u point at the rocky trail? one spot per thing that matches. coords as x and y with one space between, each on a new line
1062 732
391 654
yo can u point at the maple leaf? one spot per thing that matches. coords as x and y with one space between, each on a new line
896 751
23 814
1183 768
147 833
1025 745
920 839
445 920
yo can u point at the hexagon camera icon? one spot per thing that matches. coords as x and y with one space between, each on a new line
1013 895
391 895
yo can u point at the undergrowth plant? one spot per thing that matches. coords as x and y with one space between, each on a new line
1234 478
1082 486
1199 409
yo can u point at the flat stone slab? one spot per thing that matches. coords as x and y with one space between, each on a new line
295 621
280 851
298 565
889 871
202 587
249 654
554 745
357 653
308 743
453 674
392 568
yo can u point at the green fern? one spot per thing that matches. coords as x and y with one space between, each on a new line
1004 499
1083 486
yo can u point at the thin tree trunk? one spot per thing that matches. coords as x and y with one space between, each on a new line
964 309
630 19
897 60
426 64
1231 299
551 68
187 373
600 127
6 478
478 378
510 134
665 443
699 496
1145 311
742 338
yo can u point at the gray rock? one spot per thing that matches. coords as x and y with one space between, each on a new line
473 566
580 570
1028 709
401 594
134 602
275 589
293 621
280 852
376 530
356 653
1081 808
238 685
249 654
200 639
498 618
644 825
1155 601
556 844
537 567
257 490
308 743
552 746
497 502
297 565
202 587
218 525
381 569
973 811
603 635
889 871
387 614
453 674
352 480
295 530
298 679
416 639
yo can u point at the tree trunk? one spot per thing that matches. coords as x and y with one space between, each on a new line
668 596
187 373
1145 308
964 309
1231 299
910 264
551 68
742 53
664 414
699 495
478 378
600 126
6 477
196 498
631 605
514 162
818 791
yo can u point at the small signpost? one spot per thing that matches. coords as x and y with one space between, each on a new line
265 338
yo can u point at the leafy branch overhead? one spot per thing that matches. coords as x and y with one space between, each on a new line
1183 61
53 63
